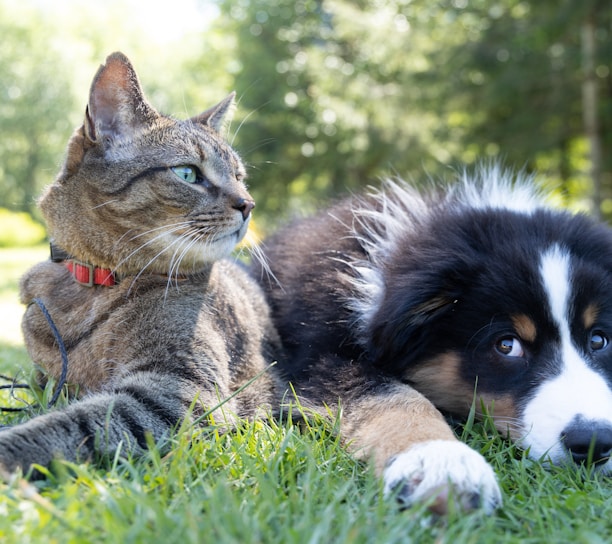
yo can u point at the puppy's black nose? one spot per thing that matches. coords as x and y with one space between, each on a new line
588 441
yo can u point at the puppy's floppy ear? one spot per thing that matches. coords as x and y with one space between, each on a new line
405 324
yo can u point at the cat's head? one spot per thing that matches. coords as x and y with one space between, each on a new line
141 191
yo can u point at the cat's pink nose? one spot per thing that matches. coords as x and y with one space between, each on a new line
244 206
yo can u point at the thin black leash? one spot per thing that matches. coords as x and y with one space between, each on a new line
13 385
63 353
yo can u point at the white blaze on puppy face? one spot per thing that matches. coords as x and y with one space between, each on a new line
577 391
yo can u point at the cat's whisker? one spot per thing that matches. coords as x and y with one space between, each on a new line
149 231
246 118
167 229
186 242
148 243
177 258
174 227
104 204
122 237
196 235
259 144
153 259
257 253
191 238
248 115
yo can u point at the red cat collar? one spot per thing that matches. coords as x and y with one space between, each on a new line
85 273
90 275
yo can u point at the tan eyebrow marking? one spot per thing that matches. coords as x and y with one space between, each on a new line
590 315
525 327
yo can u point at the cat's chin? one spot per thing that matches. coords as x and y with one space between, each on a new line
199 256
206 253
232 239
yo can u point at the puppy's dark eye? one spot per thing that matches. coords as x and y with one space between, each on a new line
599 341
510 346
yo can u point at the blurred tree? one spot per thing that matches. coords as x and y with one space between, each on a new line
320 87
516 89
336 93
333 93
35 97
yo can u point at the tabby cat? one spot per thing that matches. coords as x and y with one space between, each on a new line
158 327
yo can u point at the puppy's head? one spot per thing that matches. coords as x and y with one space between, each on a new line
517 307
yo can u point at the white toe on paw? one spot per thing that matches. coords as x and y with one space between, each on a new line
437 470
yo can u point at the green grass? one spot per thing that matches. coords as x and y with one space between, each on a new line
13 262
280 483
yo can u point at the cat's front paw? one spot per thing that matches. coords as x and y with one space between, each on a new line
440 471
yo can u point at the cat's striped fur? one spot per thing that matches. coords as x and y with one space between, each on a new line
158 202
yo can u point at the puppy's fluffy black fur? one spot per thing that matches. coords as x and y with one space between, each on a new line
446 291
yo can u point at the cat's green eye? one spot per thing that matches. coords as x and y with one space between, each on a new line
188 174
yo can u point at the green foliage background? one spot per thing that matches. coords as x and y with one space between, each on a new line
334 94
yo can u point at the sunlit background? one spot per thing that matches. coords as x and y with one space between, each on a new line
333 94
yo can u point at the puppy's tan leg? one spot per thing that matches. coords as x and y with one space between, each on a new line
416 452
385 425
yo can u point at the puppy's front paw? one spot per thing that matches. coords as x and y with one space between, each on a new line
440 471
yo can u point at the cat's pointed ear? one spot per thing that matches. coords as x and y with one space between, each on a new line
218 117
117 105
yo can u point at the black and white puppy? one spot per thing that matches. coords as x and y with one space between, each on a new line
403 305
